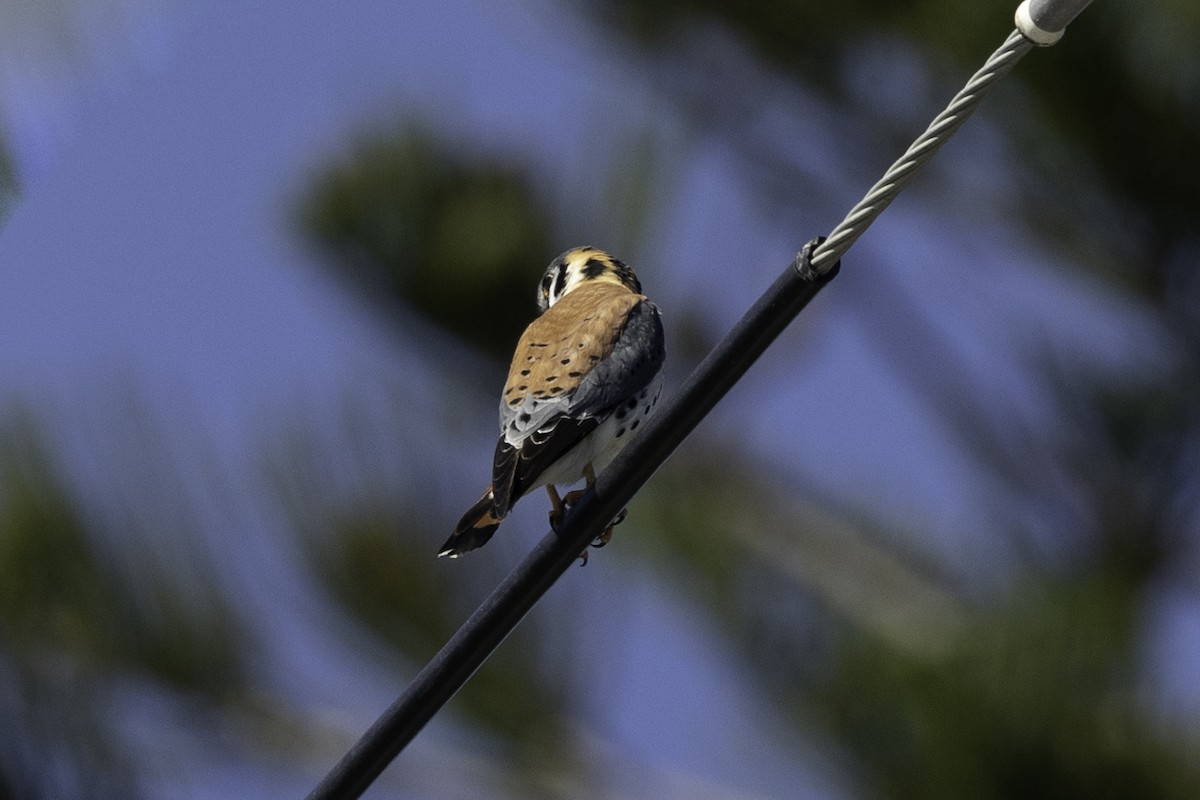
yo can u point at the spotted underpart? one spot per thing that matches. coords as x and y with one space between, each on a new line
584 376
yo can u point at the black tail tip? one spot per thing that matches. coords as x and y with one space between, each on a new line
465 541
474 529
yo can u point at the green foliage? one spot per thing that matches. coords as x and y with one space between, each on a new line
8 183
1135 123
416 224
73 622
61 594
1032 692
54 588
1036 697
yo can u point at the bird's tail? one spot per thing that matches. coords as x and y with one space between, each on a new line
474 529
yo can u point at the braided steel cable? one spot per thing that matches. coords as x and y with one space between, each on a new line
1039 23
919 152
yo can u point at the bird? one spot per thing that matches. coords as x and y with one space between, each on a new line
585 374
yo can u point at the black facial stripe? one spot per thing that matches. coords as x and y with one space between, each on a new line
560 281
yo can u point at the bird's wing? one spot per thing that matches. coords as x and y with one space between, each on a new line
635 358
592 349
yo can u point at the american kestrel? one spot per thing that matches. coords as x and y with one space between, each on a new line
585 373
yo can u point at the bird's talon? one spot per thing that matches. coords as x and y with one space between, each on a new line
604 538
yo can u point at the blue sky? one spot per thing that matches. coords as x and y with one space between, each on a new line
152 247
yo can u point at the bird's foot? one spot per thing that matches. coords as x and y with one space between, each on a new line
605 537
558 509
564 505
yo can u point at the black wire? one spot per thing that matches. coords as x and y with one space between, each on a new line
491 623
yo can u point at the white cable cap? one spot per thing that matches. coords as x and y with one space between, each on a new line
1030 30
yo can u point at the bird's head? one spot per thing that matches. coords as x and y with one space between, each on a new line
583 265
